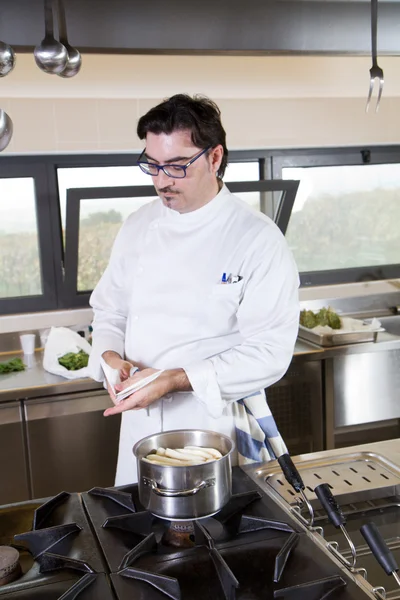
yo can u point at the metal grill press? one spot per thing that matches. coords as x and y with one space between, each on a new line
355 476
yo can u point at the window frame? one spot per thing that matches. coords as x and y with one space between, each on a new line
45 235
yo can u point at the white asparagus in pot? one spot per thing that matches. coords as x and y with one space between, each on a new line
166 461
200 452
189 455
213 451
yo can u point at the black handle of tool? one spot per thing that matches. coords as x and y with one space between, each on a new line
331 507
290 472
375 541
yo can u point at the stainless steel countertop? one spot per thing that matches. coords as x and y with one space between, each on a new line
35 382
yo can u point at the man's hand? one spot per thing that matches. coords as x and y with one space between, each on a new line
172 380
116 362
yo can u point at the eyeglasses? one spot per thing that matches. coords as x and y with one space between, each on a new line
176 171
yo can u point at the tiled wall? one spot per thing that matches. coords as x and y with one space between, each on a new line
85 124
265 101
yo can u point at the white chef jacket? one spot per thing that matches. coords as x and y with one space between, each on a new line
161 302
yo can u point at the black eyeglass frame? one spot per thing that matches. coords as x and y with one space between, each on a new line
164 167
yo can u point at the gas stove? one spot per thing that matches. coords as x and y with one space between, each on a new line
102 544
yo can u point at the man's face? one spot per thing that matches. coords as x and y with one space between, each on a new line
200 184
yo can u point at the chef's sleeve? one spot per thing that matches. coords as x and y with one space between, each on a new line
268 320
109 301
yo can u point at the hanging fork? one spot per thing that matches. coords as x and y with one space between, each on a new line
375 71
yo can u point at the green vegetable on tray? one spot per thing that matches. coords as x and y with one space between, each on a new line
73 361
11 366
325 316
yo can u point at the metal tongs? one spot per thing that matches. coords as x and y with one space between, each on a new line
337 519
381 551
293 477
375 71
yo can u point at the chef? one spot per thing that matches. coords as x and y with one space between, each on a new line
198 285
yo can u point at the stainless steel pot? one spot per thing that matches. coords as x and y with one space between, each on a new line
187 492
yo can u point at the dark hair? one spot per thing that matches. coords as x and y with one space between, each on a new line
199 114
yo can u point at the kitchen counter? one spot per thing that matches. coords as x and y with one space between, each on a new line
36 382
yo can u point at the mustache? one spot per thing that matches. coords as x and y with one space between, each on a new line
167 190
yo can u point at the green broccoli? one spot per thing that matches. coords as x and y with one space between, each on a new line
308 319
73 361
15 364
334 320
324 317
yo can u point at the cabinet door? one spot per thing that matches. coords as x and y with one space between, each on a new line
296 403
71 446
13 478
366 387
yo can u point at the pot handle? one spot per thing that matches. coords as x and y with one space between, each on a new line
177 493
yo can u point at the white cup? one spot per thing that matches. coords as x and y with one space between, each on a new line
28 343
44 334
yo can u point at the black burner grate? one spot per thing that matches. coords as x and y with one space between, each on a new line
321 589
230 524
124 499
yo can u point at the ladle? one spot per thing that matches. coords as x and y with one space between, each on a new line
74 61
50 56
6 130
7 59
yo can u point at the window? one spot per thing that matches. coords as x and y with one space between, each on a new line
86 177
93 219
99 222
250 171
28 278
20 272
344 223
265 201
242 171
345 217
59 216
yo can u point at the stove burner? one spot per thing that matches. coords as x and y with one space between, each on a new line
179 534
10 568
